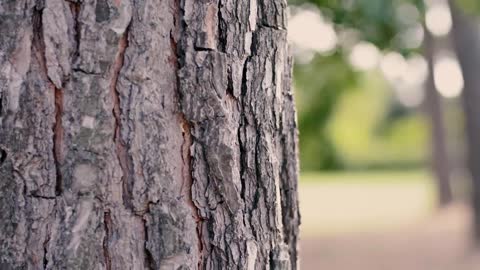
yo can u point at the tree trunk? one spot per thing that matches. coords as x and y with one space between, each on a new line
152 134
433 105
467 46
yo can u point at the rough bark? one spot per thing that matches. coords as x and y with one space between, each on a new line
467 45
151 134
433 104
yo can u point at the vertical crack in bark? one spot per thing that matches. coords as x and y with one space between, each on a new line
1 104
229 92
187 183
3 156
242 128
120 145
38 44
58 140
186 188
45 250
242 156
75 10
149 260
107 222
246 108
222 29
38 50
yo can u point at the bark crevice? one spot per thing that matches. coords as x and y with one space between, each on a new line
78 69
274 27
120 146
107 223
58 140
149 259
178 58
186 189
75 10
41 196
1 104
222 29
45 250
3 156
38 49
242 130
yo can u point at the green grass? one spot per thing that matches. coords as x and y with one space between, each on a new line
366 176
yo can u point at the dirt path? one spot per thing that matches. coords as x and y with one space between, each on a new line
438 243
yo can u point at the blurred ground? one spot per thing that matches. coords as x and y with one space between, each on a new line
362 222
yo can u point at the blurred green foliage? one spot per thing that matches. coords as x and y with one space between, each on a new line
367 137
470 6
345 124
350 121
321 83
377 21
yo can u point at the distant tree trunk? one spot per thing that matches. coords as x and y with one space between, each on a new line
433 105
467 45
152 134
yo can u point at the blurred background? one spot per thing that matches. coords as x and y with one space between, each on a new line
388 103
